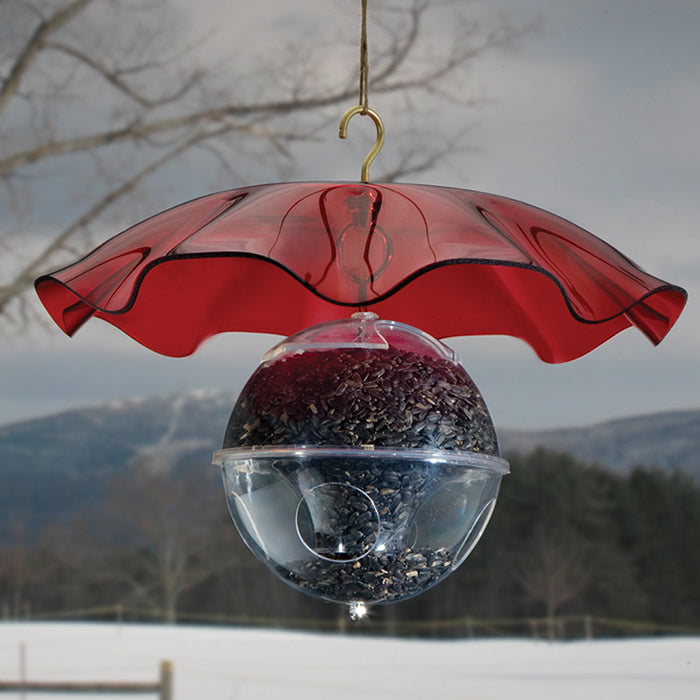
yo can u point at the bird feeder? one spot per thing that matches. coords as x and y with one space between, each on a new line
360 462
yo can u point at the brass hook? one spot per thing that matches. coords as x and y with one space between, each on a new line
343 132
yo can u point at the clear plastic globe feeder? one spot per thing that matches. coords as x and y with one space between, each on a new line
360 462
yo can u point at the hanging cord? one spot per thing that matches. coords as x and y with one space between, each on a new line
364 62
363 106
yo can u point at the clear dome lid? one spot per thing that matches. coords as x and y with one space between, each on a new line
362 381
363 330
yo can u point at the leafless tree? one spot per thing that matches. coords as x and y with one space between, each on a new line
165 525
96 106
15 569
553 571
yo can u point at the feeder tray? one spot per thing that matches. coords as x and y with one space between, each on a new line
360 461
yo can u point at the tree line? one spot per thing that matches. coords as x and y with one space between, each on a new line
566 538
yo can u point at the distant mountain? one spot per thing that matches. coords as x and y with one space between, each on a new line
669 441
52 465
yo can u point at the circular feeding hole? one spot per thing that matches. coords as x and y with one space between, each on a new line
337 522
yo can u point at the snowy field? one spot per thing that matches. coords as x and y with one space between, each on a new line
233 664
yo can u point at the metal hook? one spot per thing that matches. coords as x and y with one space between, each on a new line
343 132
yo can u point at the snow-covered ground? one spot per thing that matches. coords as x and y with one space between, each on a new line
239 664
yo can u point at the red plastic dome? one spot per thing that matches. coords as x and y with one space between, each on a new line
278 258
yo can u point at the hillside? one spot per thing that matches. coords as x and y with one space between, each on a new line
51 465
668 441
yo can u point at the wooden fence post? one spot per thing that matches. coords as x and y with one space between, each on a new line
533 628
166 680
22 667
342 620
561 628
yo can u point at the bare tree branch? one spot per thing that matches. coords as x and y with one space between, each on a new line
413 161
26 275
77 103
34 46
114 76
140 131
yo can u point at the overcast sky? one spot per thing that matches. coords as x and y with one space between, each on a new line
595 117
